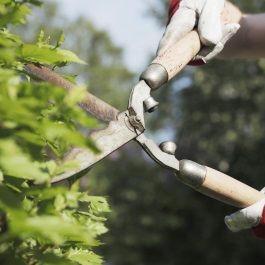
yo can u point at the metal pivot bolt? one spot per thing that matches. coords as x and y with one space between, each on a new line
150 104
168 147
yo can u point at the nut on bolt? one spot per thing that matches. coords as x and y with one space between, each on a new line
150 104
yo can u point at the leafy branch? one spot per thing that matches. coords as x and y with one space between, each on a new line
39 122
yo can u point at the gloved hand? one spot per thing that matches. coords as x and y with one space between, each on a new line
213 30
252 217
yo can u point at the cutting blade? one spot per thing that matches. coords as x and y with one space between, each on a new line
117 134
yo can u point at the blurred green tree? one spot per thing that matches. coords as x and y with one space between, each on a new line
215 114
105 73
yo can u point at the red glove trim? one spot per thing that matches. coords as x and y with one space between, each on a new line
197 62
259 230
173 7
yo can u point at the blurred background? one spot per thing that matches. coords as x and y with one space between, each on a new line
215 114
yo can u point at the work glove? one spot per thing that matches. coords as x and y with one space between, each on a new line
252 217
184 15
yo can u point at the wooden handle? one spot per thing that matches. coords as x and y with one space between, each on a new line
226 189
172 61
217 185
180 54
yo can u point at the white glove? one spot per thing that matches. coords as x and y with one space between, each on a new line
206 14
250 217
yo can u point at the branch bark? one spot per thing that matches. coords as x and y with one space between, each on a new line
91 104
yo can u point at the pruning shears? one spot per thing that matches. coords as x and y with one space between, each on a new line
130 125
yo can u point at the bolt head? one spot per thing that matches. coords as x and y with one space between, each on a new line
137 119
168 147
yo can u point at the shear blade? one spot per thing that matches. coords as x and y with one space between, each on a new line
117 134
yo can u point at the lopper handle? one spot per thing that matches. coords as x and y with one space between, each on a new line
167 65
179 55
218 185
182 52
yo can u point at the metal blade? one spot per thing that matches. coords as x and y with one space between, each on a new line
108 140
162 158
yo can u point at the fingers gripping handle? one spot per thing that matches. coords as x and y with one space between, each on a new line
166 65
217 185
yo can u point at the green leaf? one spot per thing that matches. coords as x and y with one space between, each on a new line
61 40
27 204
1 176
48 55
46 193
75 95
84 257
8 39
50 258
18 164
15 15
97 204
70 57
40 40
59 202
35 2
54 229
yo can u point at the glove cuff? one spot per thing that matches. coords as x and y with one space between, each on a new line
259 230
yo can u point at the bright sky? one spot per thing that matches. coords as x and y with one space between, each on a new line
126 21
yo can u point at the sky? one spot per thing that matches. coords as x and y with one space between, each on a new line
126 21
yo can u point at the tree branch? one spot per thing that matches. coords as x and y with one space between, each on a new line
93 105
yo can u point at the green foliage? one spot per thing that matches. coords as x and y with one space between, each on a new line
216 115
105 73
40 223
44 53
